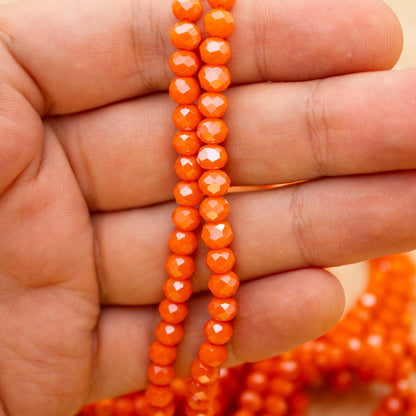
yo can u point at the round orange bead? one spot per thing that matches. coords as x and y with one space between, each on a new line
187 9
214 78
162 354
186 117
177 290
275 405
159 396
223 285
212 355
212 130
184 63
212 104
217 332
217 234
184 90
214 209
215 51
187 168
223 309
221 4
186 218
212 156
220 261
204 374
188 194
203 392
161 411
169 334
185 35
198 405
173 312
251 400
186 143
219 22
183 242
161 375
180 267
214 183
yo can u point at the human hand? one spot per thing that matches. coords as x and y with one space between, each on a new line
86 183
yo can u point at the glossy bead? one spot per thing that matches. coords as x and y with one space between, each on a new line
180 267
218 333
212 131
212 355
186 143
215 51
184 90
184 63
219 22
251 400
183 242
177 290
186 218
220 261
161 375
223 309
223 285
214 183
161 411
257 381
162 354
204 374
159 396
393 405
214 209
217 235
212 156
185 35
187 9
173 312
214 78
196 404
203 392
222 4
275 405
186 117
188 194
187 168
213 105
169 334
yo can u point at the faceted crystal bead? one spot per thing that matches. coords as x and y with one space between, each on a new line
186 218
203 392
161 375
173 312
212 130
159 396
177 290
223 309
183 242
217 235
218 333
215 51
162 354
220 261
169 334
186 117
219 22
180 267
204 374
221 4
214 209
188 194
214 78
214 183
184 90
213 105
185 35
188 169
223 285
212 355
187 9
184 63
212 156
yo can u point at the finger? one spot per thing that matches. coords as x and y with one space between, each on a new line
275 314
327 222
88 54
123 158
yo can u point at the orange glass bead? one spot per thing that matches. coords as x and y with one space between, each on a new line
196 404
160 411
213 104
186 218
223 285
188 169
217 332
183 242
169 334
251 400
186 143
188 194
177 290
275 405
203 392
186 117
204 374
185 35
184 63
214 209
220 261
223 309
180 267
214 183
282 387
212 130
214 78
162 354
161 375
184 90
219 22
212 355
217 235
221 4
173 312
212 156
159 396
187 9
215 51
257 381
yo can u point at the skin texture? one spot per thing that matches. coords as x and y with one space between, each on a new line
86 178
